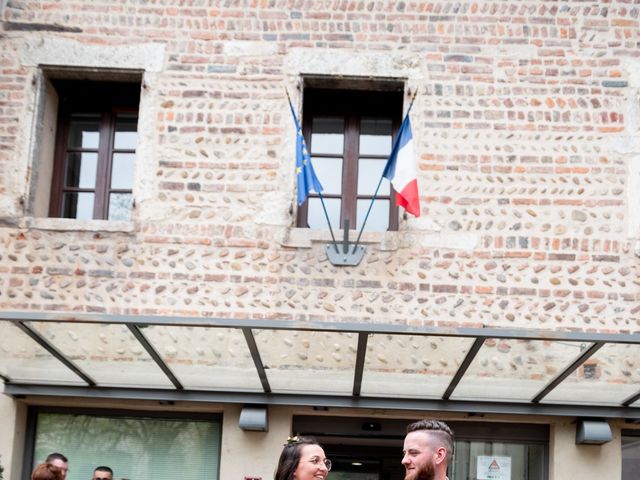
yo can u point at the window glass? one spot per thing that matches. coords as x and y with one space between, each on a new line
84 131
316 217
134 447
78 205
122 170
369 175
631 456
378 220
329 172
120 206
126 132
376 136
81 170
516 461
349 474
327 135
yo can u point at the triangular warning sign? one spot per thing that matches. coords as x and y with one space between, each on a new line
494 465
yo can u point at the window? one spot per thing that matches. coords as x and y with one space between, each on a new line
350 135
482 459
95 150
134 446
630 454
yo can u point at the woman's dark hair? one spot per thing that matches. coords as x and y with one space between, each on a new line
290 457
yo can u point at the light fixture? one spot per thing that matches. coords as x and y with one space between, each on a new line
254 419
371 427
593 431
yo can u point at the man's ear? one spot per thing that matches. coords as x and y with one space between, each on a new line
441 455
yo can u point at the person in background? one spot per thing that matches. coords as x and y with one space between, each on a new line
302 458
46 471
102 473
428 449
60 461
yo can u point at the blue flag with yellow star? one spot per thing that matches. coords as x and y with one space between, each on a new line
307 179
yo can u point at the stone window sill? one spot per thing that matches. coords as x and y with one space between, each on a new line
305 238
430 237
71 224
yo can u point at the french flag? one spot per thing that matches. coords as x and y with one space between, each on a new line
401 170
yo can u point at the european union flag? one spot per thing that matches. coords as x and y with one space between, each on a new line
307 179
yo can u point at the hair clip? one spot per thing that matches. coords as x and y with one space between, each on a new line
292 441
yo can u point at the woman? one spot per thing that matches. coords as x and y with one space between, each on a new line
46 471
302 458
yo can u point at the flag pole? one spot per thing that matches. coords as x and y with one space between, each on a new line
375 194
324 208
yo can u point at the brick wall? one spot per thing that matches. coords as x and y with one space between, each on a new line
526 132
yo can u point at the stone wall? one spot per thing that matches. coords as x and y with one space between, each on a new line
526 125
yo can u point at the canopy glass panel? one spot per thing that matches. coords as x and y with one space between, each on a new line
108 353
205 358
306 361
608 377
412 365
514 369
23 360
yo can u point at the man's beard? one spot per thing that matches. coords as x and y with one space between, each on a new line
425 472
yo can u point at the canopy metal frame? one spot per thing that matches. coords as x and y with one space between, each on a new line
137 323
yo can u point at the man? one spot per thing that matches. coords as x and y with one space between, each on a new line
102 473
60 461
428 449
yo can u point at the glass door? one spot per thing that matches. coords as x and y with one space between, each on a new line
478 460
355 469
630 454
371 448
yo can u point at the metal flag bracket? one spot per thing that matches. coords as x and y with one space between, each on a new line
346 254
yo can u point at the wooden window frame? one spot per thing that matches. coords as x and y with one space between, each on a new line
108 100
352 105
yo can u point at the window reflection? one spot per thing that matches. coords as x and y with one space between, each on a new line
369 174
134 447
316 217
78 205
122 170
375 136
329 172
81 170
84 131
327 135
120 206
126 134
378 220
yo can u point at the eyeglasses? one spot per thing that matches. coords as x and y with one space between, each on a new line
317 461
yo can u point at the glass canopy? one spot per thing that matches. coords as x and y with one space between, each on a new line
414 366
321 364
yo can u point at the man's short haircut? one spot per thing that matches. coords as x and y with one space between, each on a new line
103 468
438 429
56 456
